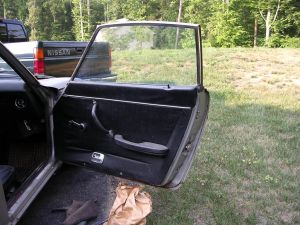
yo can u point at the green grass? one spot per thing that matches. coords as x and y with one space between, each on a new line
247 170
155 66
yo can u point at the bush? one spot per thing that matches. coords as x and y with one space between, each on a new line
277 41
225 31
291 42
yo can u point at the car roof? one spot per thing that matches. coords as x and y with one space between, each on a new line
15 21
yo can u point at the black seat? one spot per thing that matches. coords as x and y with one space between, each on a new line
6 175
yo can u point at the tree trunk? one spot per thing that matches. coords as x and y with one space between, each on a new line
268 26
89 15
269 21
255 32
4 10
107 10
178 20
81 19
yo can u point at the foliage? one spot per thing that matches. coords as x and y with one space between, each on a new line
276 41
224 23
291 42
226 32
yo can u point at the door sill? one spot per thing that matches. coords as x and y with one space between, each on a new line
26 198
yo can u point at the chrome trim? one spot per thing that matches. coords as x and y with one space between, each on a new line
125 101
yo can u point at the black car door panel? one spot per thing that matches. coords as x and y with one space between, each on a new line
144 132
145 135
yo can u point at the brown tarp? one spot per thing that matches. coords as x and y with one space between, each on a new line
131 206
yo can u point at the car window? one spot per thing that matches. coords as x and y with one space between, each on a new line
142 54
6 71
3 33
15 32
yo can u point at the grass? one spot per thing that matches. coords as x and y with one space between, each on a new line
247 170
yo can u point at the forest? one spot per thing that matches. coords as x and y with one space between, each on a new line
225 23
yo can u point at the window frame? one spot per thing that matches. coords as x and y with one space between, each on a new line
6 36
195 27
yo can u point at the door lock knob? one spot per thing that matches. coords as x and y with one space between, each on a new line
77 125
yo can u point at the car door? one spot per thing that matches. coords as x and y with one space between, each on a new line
138 109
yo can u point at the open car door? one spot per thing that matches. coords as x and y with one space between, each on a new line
139 111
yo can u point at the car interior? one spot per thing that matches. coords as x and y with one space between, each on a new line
23 138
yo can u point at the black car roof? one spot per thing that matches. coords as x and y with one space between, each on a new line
15 21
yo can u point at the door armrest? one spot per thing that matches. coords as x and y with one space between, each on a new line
148 148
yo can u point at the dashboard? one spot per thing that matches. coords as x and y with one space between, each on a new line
21 112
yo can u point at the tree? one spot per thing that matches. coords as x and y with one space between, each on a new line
36 20
80 28
223 22
269 12
61 22
199 11
226 26
288 22
9 9
178 20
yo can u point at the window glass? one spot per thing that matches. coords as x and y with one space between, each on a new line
15 32
3 33
6 71
142 54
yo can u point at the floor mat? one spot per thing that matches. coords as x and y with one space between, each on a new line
26 157
70 183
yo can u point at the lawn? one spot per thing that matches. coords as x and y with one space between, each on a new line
247 170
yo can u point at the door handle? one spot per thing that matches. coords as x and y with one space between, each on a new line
73 123
98 122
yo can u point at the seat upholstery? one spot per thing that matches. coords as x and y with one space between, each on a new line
6 175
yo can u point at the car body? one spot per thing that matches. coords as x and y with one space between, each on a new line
145 126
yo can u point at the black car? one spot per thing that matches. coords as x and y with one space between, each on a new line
12 30
145 126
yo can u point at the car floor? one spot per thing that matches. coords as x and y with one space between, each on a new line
25 158
70 183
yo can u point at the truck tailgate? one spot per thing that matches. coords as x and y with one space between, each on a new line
61 58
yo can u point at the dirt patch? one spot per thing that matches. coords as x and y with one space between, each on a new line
289 217
202 216
271 70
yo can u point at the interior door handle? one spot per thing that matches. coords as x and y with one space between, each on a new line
98 122
143 147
